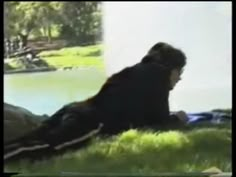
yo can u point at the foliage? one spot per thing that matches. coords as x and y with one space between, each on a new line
82 22
78 22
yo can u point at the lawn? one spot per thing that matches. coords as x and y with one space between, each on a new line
144 151
71 57
75 57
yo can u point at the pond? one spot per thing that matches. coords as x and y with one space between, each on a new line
46 92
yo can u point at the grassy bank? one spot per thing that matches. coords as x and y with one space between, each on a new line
75 57
144 152
71 57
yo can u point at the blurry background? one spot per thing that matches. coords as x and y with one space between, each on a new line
82 43
53 53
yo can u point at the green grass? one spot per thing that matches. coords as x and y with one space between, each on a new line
148 152
87 56
74 51
14 63
74 61
75 57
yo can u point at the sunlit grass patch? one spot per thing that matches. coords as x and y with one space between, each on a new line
86 56
137 151
74 61
75 51
15 63
70 57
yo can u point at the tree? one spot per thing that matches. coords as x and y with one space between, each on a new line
81 21
48 15
24 17
10 18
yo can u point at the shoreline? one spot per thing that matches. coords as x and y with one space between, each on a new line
46 69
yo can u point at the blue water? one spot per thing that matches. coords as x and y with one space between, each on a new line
46 92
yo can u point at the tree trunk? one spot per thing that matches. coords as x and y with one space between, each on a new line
49 33
24 39
44 31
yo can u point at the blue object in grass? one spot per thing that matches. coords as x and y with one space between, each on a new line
212 117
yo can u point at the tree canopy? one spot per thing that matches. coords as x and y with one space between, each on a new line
78 22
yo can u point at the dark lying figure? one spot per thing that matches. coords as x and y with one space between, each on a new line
136 97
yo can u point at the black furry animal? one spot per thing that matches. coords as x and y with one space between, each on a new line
135 97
